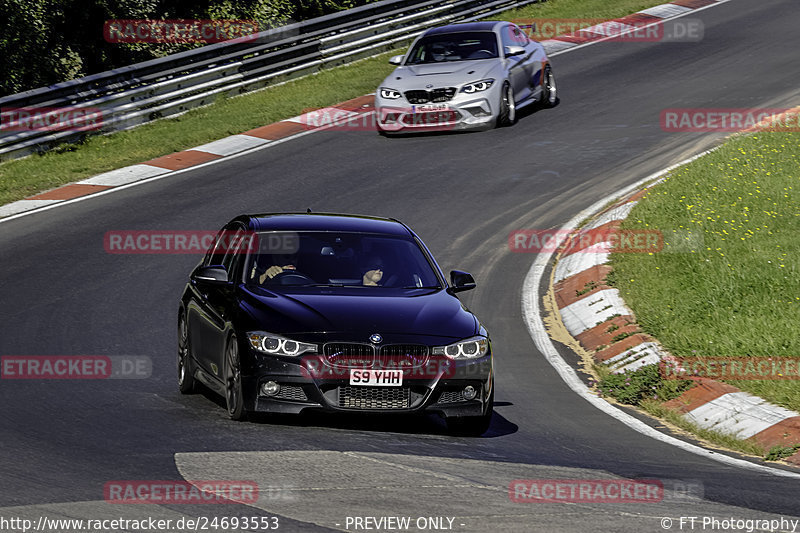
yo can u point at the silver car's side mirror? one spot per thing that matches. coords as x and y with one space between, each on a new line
396 60
513 51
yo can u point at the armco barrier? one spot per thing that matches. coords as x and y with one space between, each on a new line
132 95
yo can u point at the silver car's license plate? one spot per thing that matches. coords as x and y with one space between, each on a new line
428 108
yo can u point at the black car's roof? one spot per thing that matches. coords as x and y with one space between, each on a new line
487 25
325 222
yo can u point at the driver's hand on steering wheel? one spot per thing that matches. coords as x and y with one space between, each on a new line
372 277
273 271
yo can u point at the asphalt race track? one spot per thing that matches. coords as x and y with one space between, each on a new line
62 294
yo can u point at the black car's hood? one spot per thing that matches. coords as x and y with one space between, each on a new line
355 313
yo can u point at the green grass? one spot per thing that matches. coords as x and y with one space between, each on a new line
25 177
634 388
227 116
729 288
776 453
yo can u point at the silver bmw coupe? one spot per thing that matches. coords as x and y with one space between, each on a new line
473 75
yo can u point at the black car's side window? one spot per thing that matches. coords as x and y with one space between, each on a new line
226 248
233 252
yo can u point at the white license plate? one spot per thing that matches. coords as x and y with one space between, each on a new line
379 378
428 108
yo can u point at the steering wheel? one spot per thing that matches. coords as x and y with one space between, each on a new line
291 277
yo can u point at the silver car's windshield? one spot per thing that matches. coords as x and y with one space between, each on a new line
317 258
458 46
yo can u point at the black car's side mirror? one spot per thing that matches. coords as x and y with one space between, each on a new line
461 281
211 275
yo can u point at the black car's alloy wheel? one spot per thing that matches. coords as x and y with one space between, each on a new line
233 381
185 368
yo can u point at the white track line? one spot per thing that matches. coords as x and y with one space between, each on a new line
531 312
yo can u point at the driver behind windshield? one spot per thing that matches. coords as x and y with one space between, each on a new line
374 274
280 263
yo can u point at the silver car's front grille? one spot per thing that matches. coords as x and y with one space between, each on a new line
374 397
434 118
438 95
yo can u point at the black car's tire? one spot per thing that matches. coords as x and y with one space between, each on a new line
234 400
472 426
550 93
507 115
186 381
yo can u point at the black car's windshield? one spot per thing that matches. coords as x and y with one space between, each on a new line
458 46
317 258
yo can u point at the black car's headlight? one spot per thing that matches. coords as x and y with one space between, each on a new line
466 349
390 94
272 344
477 86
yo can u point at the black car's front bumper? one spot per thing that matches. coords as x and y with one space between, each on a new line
438 391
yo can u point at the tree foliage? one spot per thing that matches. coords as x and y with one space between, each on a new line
43 42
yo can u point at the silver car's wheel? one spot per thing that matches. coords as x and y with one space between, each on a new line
550 93
233 381
508 108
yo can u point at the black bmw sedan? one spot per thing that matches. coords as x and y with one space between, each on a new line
339 313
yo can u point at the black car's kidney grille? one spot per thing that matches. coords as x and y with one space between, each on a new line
349 354
374 397
404 355
441 94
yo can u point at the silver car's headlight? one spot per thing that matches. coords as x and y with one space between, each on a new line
390 94
477 86
272 344
466 349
